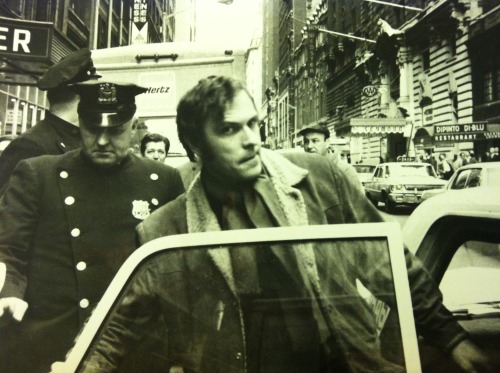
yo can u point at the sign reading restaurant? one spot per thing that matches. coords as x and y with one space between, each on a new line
466 132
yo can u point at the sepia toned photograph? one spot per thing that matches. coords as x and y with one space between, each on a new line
258 186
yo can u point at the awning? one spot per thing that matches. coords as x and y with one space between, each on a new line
370 126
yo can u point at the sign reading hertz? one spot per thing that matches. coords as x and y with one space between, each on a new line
466 132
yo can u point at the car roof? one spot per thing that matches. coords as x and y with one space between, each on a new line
470 202
481 165
405 163
363 165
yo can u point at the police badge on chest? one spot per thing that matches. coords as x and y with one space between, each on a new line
140 209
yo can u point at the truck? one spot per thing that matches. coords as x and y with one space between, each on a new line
168 71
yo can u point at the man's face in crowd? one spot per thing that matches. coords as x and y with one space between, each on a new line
106 146
315 142
156 151
232 147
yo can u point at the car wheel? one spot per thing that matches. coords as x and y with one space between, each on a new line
372 200
390 206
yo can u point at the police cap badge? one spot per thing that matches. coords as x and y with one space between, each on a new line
106 104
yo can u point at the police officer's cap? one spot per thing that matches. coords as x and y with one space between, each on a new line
74 68
318 128
106 104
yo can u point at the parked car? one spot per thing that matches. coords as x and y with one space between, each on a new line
469 176
457 237
365 171
401 183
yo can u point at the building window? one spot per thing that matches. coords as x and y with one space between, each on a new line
102 33
489 81
452 44
426 60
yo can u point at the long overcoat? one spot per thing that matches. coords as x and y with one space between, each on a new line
52 135
66 227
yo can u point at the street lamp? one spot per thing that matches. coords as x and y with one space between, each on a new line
395 5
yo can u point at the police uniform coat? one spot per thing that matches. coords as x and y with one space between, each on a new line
52 135
189 305
66 226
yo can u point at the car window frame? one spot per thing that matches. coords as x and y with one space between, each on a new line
389 230
457 177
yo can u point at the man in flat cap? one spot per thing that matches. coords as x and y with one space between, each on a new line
316 142
67 224
57 133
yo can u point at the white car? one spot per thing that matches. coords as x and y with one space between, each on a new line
384 311
401 183
365 171
457 237
470 176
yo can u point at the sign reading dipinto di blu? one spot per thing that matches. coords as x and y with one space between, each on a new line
25 39
466 132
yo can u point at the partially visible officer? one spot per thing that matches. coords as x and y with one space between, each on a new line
316 142
67 224
58 132
155 146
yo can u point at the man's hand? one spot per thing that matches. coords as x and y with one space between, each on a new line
471 358
58 367
14 306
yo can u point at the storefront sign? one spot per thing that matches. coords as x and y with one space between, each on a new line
369 91
140 19
25 39
140 13
466 132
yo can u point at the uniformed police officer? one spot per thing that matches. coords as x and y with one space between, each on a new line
67 224
57 133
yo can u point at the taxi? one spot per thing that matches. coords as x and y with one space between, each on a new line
401 183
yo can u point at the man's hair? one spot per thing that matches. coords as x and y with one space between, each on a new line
154 137
207 100
60 94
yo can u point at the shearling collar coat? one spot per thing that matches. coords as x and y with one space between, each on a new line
327 197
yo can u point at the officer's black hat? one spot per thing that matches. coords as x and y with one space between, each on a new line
74 68
106 104
319 128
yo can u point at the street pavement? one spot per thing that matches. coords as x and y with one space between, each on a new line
400 215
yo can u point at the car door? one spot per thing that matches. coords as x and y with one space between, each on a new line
373 187
172 300
463 255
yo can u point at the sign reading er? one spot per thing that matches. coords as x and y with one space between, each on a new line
25 39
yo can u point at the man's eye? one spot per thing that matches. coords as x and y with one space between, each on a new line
228 129
253 124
